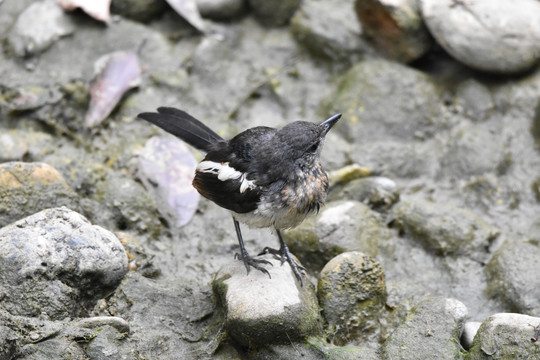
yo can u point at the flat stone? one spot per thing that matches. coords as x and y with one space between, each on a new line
431 331
263 310
444 229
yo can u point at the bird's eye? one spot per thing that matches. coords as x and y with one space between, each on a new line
313 148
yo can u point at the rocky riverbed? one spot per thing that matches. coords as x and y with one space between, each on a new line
427 248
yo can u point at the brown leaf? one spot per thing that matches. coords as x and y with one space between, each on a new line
114 74
98 9
166 169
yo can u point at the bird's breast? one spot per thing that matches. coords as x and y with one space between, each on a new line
289 206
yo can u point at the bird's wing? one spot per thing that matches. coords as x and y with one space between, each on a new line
225 175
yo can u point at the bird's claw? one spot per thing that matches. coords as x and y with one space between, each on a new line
251 262
284 255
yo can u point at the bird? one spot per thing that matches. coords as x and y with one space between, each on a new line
265 177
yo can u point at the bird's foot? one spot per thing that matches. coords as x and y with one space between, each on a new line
285 255
255 263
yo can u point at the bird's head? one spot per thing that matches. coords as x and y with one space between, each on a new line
302 141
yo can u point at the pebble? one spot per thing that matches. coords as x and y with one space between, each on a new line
512 276
330 30
377 192
13 146
26 188
489 35
352 294
395 27
38 27
507 336
469 332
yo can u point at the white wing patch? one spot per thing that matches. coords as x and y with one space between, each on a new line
225 172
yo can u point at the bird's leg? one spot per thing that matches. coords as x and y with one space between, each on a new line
244 256
285 255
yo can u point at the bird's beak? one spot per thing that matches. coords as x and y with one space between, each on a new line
327 125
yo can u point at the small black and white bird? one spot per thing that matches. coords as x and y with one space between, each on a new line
264 176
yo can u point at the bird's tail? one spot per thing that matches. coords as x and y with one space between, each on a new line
184 126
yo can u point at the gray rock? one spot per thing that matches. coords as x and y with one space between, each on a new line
56 262
140 10
375 191
8 340
315 348
26 188
494 36
13 146
273 13
431 331
352 294
507 336
41 338
348 352
262 310
469 332
486 192
38 27
536 123
166 169
339 227
109 344
512 277
26 98
124 204
330 29
536 188
474 150
221 9
169 318
444 229
395 27
475 99
396 159
381 100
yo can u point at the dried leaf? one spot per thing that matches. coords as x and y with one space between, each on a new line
98 9
166 169
190 12
114 74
